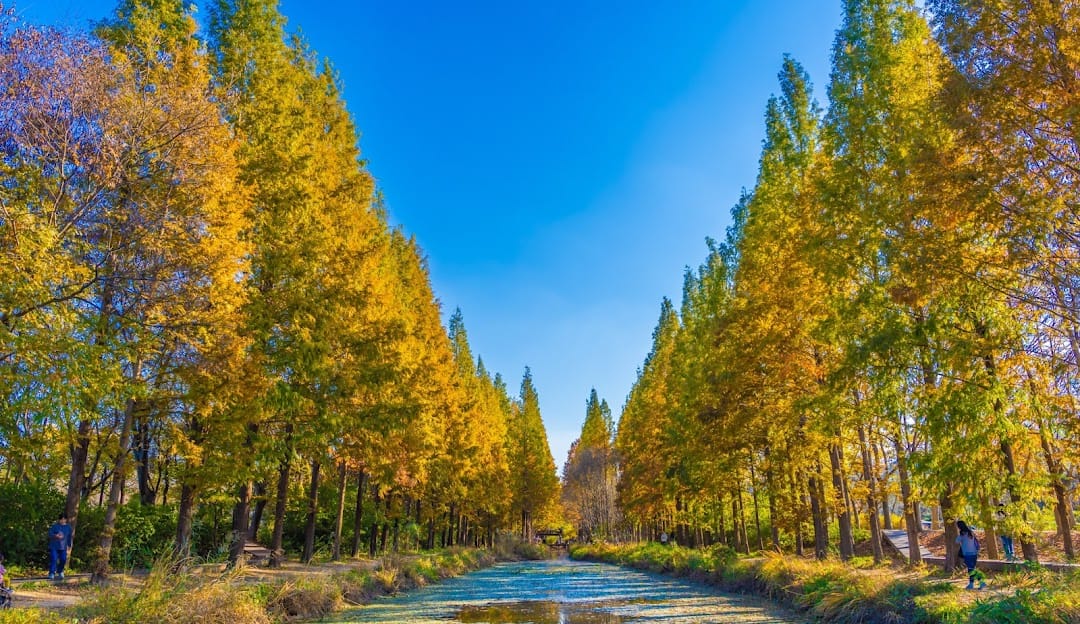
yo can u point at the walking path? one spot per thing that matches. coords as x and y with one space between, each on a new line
899 540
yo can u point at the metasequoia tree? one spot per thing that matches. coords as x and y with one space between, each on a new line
589 475
534 486
639 440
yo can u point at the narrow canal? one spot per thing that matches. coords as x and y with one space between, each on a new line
566 592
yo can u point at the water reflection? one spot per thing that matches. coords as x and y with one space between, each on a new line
543 612
566 592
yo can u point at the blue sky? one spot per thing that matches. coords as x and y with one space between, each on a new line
560 162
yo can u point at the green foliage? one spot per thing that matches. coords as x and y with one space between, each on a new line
32 616
143 532
27 510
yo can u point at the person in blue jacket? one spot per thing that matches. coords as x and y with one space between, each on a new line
969 548
59 546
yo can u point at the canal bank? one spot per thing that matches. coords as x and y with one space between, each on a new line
832 592
564 591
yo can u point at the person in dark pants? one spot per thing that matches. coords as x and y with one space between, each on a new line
59 546
1003 531
969 548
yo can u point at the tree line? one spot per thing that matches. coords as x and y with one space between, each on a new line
203 305
890 330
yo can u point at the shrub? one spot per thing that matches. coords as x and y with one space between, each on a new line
142 531
386 579
306 599
510 547
357 586
215 602
26 512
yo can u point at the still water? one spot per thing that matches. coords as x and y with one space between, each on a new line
566 592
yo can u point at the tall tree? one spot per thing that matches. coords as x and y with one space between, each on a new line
534 485
589 474
319 240
178 219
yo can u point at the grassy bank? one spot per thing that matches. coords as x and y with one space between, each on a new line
837 593
184 597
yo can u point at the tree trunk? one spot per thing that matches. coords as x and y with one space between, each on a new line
883 493
313 511
239 526
358 514
951 530
77 477
277 537
1061 515
910 521
736 535
451 516
721 523
141 453
770 485
799 538
259 497
757 511
1027 545
100 569
184 517
871 506
373 536
986 518
847 540
817 512
744 537
339 520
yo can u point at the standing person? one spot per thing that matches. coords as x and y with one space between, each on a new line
59 546
5 591
969 548
1003 531
663 538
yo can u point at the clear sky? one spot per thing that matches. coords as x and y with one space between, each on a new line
561 162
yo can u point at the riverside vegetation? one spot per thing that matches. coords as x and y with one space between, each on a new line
174 597
859 591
